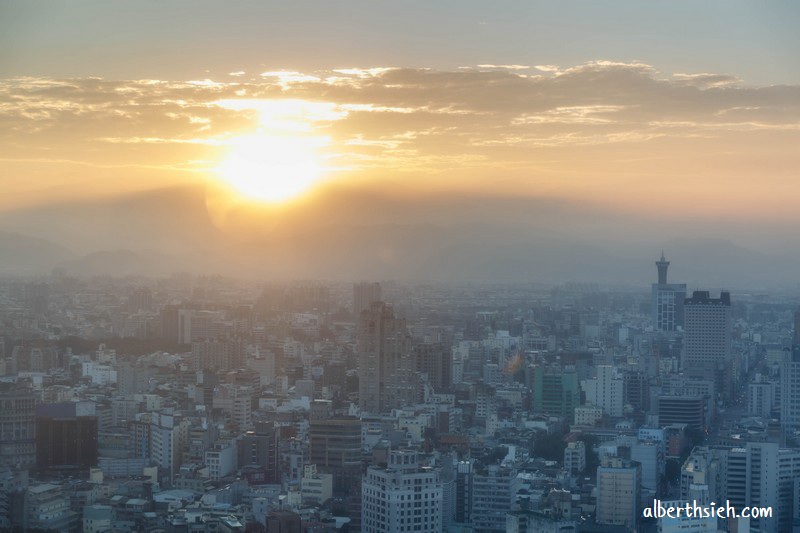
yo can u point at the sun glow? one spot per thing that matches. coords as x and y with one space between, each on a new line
272 168
282 160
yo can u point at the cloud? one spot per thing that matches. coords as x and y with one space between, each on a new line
602 118
707 81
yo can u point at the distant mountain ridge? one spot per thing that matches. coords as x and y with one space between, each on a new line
161 232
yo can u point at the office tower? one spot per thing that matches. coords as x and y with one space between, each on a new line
335 447
636 390
790 378
66 435
17 428
761 395
463 489
707 338
403 496
682 409
494 490
651 458
761 474
168 436
556 390
364 295
385 363
618 485
667 300
435 360
260 448
606 390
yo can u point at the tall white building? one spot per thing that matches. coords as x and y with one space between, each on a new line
606 390
762 474
618 485
790 390
494 489
168 435
403 496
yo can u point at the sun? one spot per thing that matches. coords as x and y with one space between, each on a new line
283 158
272 168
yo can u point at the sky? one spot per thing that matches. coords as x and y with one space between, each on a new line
678 115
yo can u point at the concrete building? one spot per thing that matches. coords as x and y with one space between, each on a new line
707 338
618 489
650 456
335 448
790 390
66 435
689 410
221 460
260 448
47 507
762 474
761 395
606 391
17 428
97 518
494 489
555 390
315 487
403 496
385 361
575 457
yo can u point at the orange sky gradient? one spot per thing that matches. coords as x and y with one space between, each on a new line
621 136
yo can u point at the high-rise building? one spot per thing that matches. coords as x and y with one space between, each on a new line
260 448
667 300
66 435
618 485
463 490
364 294
556 390
762 475
606 390
386 369
168 436
790 378
494 490
335 447
17 428
403 496
707 338
435 360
